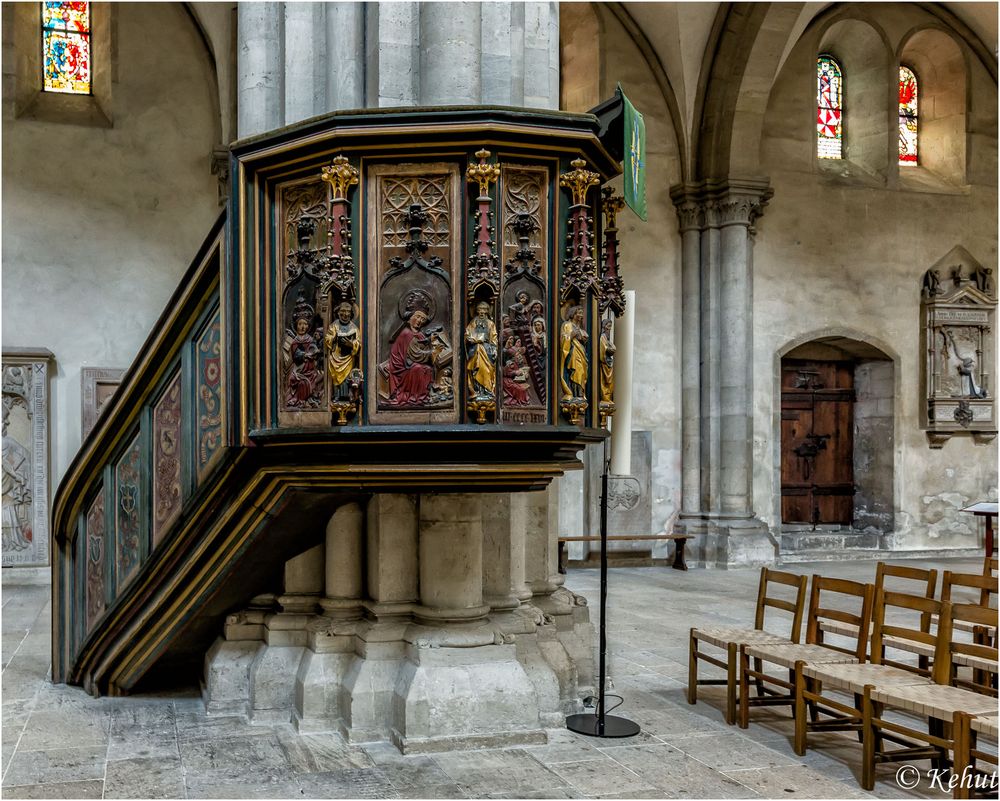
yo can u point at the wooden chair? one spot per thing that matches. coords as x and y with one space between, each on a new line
811 679
936 703
826 605
967 729
985 586
919 581
729 638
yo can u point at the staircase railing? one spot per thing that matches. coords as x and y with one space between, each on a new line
156 447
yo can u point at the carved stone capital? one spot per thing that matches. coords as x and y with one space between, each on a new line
718 203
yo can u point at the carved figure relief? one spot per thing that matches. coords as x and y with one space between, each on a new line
606 360
524 333
482 290
301 356
579 282
416 319
319 278
959 343
343 343
575 370
167 459
25 461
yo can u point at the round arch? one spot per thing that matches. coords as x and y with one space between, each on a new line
860 403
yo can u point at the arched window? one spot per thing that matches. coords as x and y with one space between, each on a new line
907 116
830 108
66 47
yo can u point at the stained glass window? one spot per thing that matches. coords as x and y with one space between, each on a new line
830 108
66 47
907 116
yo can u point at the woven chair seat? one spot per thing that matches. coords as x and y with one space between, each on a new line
910 646
964 625
722 636
839 627
975 662
787 654
934 700
986 724
853 678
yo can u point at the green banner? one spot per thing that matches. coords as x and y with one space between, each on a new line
634 162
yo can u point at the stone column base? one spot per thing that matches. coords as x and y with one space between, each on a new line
725 543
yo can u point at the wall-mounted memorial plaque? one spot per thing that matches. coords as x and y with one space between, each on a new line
958 307
99 384
25 457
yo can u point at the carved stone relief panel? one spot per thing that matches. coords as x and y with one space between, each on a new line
167 459
525 339
25 458
128 513
208 403
96 569
958 309
99 385
414 238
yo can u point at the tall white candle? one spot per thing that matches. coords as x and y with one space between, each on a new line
621 422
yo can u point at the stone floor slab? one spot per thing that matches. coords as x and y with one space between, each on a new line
57 765
87 789
144 778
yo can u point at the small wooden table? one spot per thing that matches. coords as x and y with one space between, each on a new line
989 511
679 539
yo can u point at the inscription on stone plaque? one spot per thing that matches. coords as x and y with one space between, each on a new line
25 458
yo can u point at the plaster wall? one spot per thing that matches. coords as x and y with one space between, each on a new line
651 263
838 253
99 224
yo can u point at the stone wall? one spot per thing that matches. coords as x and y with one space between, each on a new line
99 224
842 252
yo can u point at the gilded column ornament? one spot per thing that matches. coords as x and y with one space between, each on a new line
482 290
611 300
579 281
342 342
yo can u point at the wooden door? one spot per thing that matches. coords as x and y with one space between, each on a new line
817 442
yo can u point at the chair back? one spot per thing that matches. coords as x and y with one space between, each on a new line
990 566
827 602
919 581
979 655
768 598
890 610
986 584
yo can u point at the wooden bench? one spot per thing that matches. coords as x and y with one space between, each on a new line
679 540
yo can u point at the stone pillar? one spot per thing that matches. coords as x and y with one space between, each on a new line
716 221
690 216
541 55
450 53
461 684
367 692
330 640
345 43
305 60
392 54
504 521
260 63
344 574
451 559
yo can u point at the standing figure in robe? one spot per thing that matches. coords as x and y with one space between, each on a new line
573 357
411 359
481 353
343 342
300 354
606 356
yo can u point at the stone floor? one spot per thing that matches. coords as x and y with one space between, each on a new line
60 743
